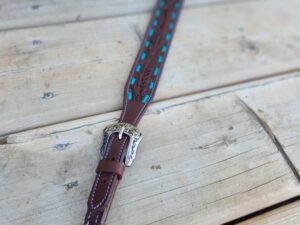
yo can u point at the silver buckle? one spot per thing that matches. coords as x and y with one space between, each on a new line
135 137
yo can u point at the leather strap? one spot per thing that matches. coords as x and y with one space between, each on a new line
109 166
139 91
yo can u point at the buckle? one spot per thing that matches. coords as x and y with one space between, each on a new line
135 137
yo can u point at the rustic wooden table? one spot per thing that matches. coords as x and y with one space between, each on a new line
221 139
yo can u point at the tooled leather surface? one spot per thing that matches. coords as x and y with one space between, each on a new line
142 82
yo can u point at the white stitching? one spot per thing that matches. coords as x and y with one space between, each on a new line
89 216
110 182
122 148
96 221
98 177
106 193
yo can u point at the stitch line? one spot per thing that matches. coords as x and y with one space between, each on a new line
96 221
98 177
89 216
164 50
113 175
106 193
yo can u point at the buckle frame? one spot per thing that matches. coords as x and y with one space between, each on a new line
135 137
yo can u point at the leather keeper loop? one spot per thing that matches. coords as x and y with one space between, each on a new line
109 166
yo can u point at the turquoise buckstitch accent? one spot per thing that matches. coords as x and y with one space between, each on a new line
138 68
156 71
145 99
143 55
129 95
151 85
155 22
173 16
157 13
168 37
160 58
171 26
151 32
133 79
164 48
177 5
147 43
162 3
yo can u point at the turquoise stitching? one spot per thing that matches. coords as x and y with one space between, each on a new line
145 99
171 26
151 32
133 79
151 85
147 43
157 13
138 68
143 55
173 15
164 48
160 58
156 71
168 37
129 95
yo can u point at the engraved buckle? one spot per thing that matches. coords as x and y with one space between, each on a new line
135 137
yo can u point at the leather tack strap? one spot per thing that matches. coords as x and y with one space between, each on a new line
138 93
109 166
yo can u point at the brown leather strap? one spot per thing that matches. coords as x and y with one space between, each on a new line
139 91
109 166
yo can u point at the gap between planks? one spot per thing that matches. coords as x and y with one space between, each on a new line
186 99
206 93
270 209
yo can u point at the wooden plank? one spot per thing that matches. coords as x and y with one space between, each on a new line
23 14
58 73
285 215
200 155
278 107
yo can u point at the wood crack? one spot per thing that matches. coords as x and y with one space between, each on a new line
271 134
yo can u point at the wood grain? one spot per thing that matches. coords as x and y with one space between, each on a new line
200 155
278 107
19 14
285 215
58 73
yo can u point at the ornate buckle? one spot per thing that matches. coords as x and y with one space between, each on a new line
135 137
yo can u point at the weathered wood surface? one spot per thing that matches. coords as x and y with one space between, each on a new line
23 14
221 141
286 215
201 154
57 73
279 107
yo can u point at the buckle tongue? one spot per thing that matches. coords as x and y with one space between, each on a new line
135 137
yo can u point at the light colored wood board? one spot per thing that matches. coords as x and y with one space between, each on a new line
279 106
59 73
286 215
200 155
19 13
